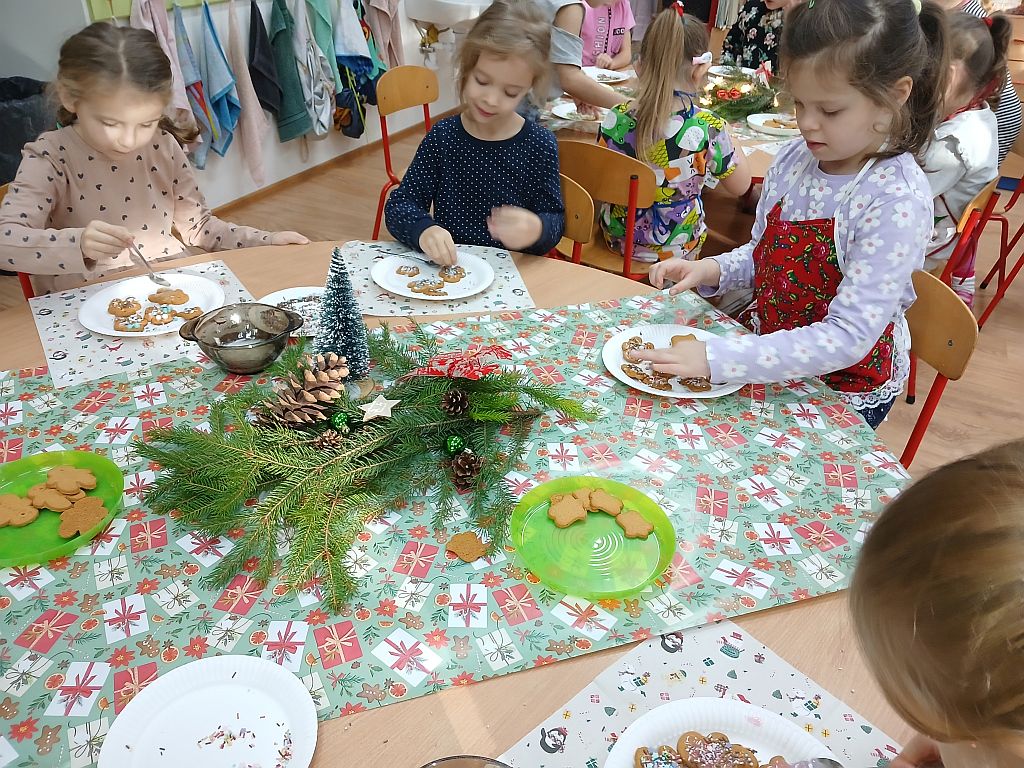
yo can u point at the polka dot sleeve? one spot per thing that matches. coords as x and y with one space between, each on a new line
194 221
27 241
407 213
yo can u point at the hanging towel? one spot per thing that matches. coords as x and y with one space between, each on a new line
252 124
262 70
205 119
350 47
220 84
293 120
314 73
322 26
382 16
152 15
360 69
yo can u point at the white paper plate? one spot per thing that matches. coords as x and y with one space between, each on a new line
723 71
758 729
606 76
165 723
567 111
759 122
479 276
202 292
661 337
305 301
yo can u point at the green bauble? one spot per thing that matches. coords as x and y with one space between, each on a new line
454 445
339 421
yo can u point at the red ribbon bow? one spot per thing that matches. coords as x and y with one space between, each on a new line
679 8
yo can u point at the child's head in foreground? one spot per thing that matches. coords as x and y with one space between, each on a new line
938 602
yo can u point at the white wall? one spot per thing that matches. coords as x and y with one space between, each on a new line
38 29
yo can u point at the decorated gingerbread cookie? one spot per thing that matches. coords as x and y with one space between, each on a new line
714 751
125 307
451 273
428 287
408 270
650 378
174 296
16 511
188 313
696 383
631 345
663 757
69 480
159 315
132 324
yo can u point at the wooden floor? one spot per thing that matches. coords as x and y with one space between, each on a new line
339 201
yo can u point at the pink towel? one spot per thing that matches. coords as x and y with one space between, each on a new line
252 123
152 15
386 26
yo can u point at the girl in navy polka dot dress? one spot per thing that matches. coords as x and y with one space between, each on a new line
114 174
490 176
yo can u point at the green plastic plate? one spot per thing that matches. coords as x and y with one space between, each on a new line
39 541
591 558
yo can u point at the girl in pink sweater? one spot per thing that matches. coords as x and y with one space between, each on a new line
114 174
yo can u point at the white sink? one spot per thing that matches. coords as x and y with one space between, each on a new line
457 15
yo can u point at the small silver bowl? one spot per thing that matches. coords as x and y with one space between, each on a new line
465 761
243 338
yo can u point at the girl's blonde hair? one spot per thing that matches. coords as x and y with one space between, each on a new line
104 56
666 56
509 28
938 599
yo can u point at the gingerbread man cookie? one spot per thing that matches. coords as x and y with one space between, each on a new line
451 273
714 751
188 313
132 324
696 383
631 345
664 757
173 296
69 480
16 511
566 510
83 516
44 497
634 525
651 379
428 287
602 501
408 270
125 307
160 315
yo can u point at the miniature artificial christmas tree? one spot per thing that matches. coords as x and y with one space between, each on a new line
341 322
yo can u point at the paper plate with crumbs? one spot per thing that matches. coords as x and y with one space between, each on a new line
594 557
415 279
104 311
221 711
305 301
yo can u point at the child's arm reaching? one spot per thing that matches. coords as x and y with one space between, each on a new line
538 229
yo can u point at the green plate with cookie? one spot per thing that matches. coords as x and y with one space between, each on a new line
592 558
39 540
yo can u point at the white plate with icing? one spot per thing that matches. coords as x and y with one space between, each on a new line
305 301
221 711
765 733
661 337
202 292
415 279
606 76
568 111
774 125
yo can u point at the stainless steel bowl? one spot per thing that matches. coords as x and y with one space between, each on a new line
243 338
465 761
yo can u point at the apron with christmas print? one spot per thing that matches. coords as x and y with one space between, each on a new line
797 272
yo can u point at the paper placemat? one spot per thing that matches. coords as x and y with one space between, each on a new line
717 660
508 291
76 355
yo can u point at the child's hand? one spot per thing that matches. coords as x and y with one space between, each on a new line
288 238
515 228
604 61
685 274
919 752
586 110
687 360
104 241
437 244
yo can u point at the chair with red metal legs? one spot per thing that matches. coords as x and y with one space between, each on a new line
579 219
401 88
943 334
26 282
610 177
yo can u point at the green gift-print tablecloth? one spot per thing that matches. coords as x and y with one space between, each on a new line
770 491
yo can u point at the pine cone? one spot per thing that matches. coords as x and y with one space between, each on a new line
455 402
465 467
305 397
328 439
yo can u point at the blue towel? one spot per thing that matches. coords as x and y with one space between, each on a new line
206 121
220 85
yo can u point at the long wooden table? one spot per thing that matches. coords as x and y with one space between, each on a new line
486 719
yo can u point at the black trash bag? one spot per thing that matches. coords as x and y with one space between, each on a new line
25 112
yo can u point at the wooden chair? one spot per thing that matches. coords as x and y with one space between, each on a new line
579 219
1006 243
26 282
401 88
610 177
943 333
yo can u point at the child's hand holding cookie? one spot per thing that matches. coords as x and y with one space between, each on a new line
687 360
437 244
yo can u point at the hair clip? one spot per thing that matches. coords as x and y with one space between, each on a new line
679 8
704 58
988 21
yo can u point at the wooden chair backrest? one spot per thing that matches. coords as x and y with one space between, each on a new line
605 173
404 87
579 211
977 204
943 331
3 191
